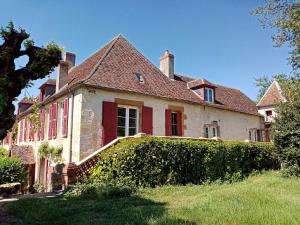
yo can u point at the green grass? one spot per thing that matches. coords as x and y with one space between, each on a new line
263 199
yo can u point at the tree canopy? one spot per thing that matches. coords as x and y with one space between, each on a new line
284 17
41 62
286 128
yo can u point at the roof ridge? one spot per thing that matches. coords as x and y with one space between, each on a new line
112 42
273 82
97 64
220 85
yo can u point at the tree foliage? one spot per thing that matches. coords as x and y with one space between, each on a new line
284 17
41 61
286 128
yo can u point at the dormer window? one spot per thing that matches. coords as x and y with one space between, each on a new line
209 95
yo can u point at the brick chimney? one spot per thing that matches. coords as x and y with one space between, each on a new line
63 69
167 64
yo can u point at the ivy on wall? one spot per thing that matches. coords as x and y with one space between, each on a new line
50 152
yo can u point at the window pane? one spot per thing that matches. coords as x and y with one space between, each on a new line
214 132
132 131
132 113
132 122
174 118
174 130
121 121
121 131
206 132
121 112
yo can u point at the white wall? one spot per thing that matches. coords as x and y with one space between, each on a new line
60 140
87 121
233 125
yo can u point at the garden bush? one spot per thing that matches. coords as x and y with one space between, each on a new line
11 170
3 152
291 171
153 161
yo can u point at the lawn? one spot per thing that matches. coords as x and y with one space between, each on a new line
262 199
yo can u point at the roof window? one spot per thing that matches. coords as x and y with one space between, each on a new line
139 78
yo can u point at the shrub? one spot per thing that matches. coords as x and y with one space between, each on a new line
3 152
154 161
291 171
50 152
11 170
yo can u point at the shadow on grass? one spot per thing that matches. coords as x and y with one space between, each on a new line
79 211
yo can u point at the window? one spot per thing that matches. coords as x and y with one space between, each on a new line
206 132
214 132
211 131
254 135
269 113
139 77
127 121
209 95
174 124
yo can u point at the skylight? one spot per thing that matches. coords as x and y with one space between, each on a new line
139 78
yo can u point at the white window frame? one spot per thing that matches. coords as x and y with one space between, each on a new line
206 96
209 131
173 124
127 118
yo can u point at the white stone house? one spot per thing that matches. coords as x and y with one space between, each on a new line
118 92
267 104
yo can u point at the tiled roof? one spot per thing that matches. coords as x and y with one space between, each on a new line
199 82
27 100
272 96
24 152
115 67
51 82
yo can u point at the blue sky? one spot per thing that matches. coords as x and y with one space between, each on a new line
219 40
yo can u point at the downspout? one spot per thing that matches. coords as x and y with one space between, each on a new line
71 128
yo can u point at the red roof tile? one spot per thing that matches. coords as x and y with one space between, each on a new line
24 152
272 96
27 100
51 82
115 65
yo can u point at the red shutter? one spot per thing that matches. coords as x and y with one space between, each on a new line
21 131
54 120
45 173
39 171
25 130
109 121
179 123
33 133
65 119
168 121
30 131
50 123
147 120
42 124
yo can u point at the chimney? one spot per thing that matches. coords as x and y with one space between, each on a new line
63 69
70 58
167 64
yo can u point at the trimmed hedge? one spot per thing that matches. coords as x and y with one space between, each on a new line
11 170
153 161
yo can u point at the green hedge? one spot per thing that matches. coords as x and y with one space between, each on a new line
154 161
11 170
